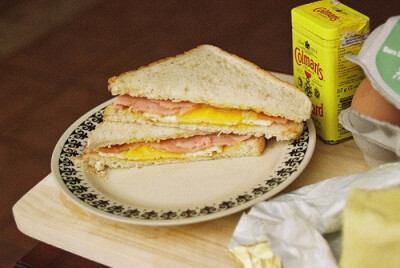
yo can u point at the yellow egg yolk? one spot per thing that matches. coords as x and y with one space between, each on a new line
216 116
145 152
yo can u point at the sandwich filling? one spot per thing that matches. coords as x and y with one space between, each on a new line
194 113
200 145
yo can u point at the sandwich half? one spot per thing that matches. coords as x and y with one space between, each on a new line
126 145
209 90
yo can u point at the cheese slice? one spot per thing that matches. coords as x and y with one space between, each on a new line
371 229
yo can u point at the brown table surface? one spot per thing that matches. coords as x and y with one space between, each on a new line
52 81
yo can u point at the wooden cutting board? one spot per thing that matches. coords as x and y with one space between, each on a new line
46 214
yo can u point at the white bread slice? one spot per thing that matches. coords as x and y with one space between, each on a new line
289 131
96 163
208 74
113 133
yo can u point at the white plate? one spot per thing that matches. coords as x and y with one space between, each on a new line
175 194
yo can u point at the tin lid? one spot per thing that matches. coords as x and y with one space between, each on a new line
380 59
330 20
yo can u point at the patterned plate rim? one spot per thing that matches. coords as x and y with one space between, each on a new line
73 183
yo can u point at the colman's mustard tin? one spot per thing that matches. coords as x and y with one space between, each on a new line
323 32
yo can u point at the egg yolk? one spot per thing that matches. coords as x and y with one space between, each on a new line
216 116
205 114
145 152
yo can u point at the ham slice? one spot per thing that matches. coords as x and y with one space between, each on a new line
276 119
191 144
168 107
199 142
180 145
160 107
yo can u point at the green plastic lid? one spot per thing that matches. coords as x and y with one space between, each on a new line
380 59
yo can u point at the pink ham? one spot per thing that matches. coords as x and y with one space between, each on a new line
228 139
160 107
200 142
276 119
168 107
181 145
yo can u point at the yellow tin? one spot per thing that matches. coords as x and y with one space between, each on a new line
323 32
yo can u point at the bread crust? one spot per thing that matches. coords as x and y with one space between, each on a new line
208 74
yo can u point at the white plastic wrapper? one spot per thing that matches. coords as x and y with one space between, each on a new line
302 228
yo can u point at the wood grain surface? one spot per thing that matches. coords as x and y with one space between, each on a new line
44 213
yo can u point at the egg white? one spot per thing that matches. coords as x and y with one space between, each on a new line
173 119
